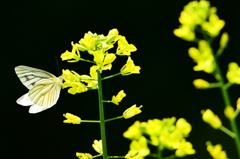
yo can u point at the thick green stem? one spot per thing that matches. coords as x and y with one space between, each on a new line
159 152
102 120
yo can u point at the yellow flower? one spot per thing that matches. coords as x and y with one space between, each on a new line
200 84
70 118
211 119
139 146
132 111
194 13
84 155
214 25
74 55
216 151
229 112
131 155
134 131
124 48
233 74
88 42
203 57
97 145
224 40
73 80
183 126
112 36
238 103
103 61
129 68
185 32
184 149
119 97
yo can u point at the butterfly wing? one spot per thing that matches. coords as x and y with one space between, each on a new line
44 88
44 94
29 75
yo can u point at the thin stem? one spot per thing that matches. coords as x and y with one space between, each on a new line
225 94
170 157
102 120
88 61
119 117
111 76
90 121
219 52
227 102
116 156
227 131
236 112
227 85
97 155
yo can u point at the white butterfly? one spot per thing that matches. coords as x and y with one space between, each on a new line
44 88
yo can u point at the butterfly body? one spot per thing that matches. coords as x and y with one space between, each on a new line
44 88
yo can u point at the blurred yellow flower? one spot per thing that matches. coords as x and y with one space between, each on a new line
216 151
70 118
203 57
224 40
139 146
201 84
183 126
132 111
238 103
118 98
214 26
84 155
211 119
124 48
130 68
229 112
73 56
194 13
97 145
131 155
185 148
233 74
185 32
134 131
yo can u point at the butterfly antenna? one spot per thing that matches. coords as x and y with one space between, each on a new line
58 66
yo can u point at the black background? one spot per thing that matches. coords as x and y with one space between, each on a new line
35 32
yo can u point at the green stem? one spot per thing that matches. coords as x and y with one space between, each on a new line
116 156
227 85
88 61
225 95
119 117
90 121
227 131
170 157
236 112
97 156
227 102
102 120
111 76
159 152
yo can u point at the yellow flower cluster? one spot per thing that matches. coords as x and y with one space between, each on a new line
97 46
203 57
233 74
70 118
216 151
168 133
198 14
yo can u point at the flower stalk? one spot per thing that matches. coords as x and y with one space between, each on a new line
102 120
